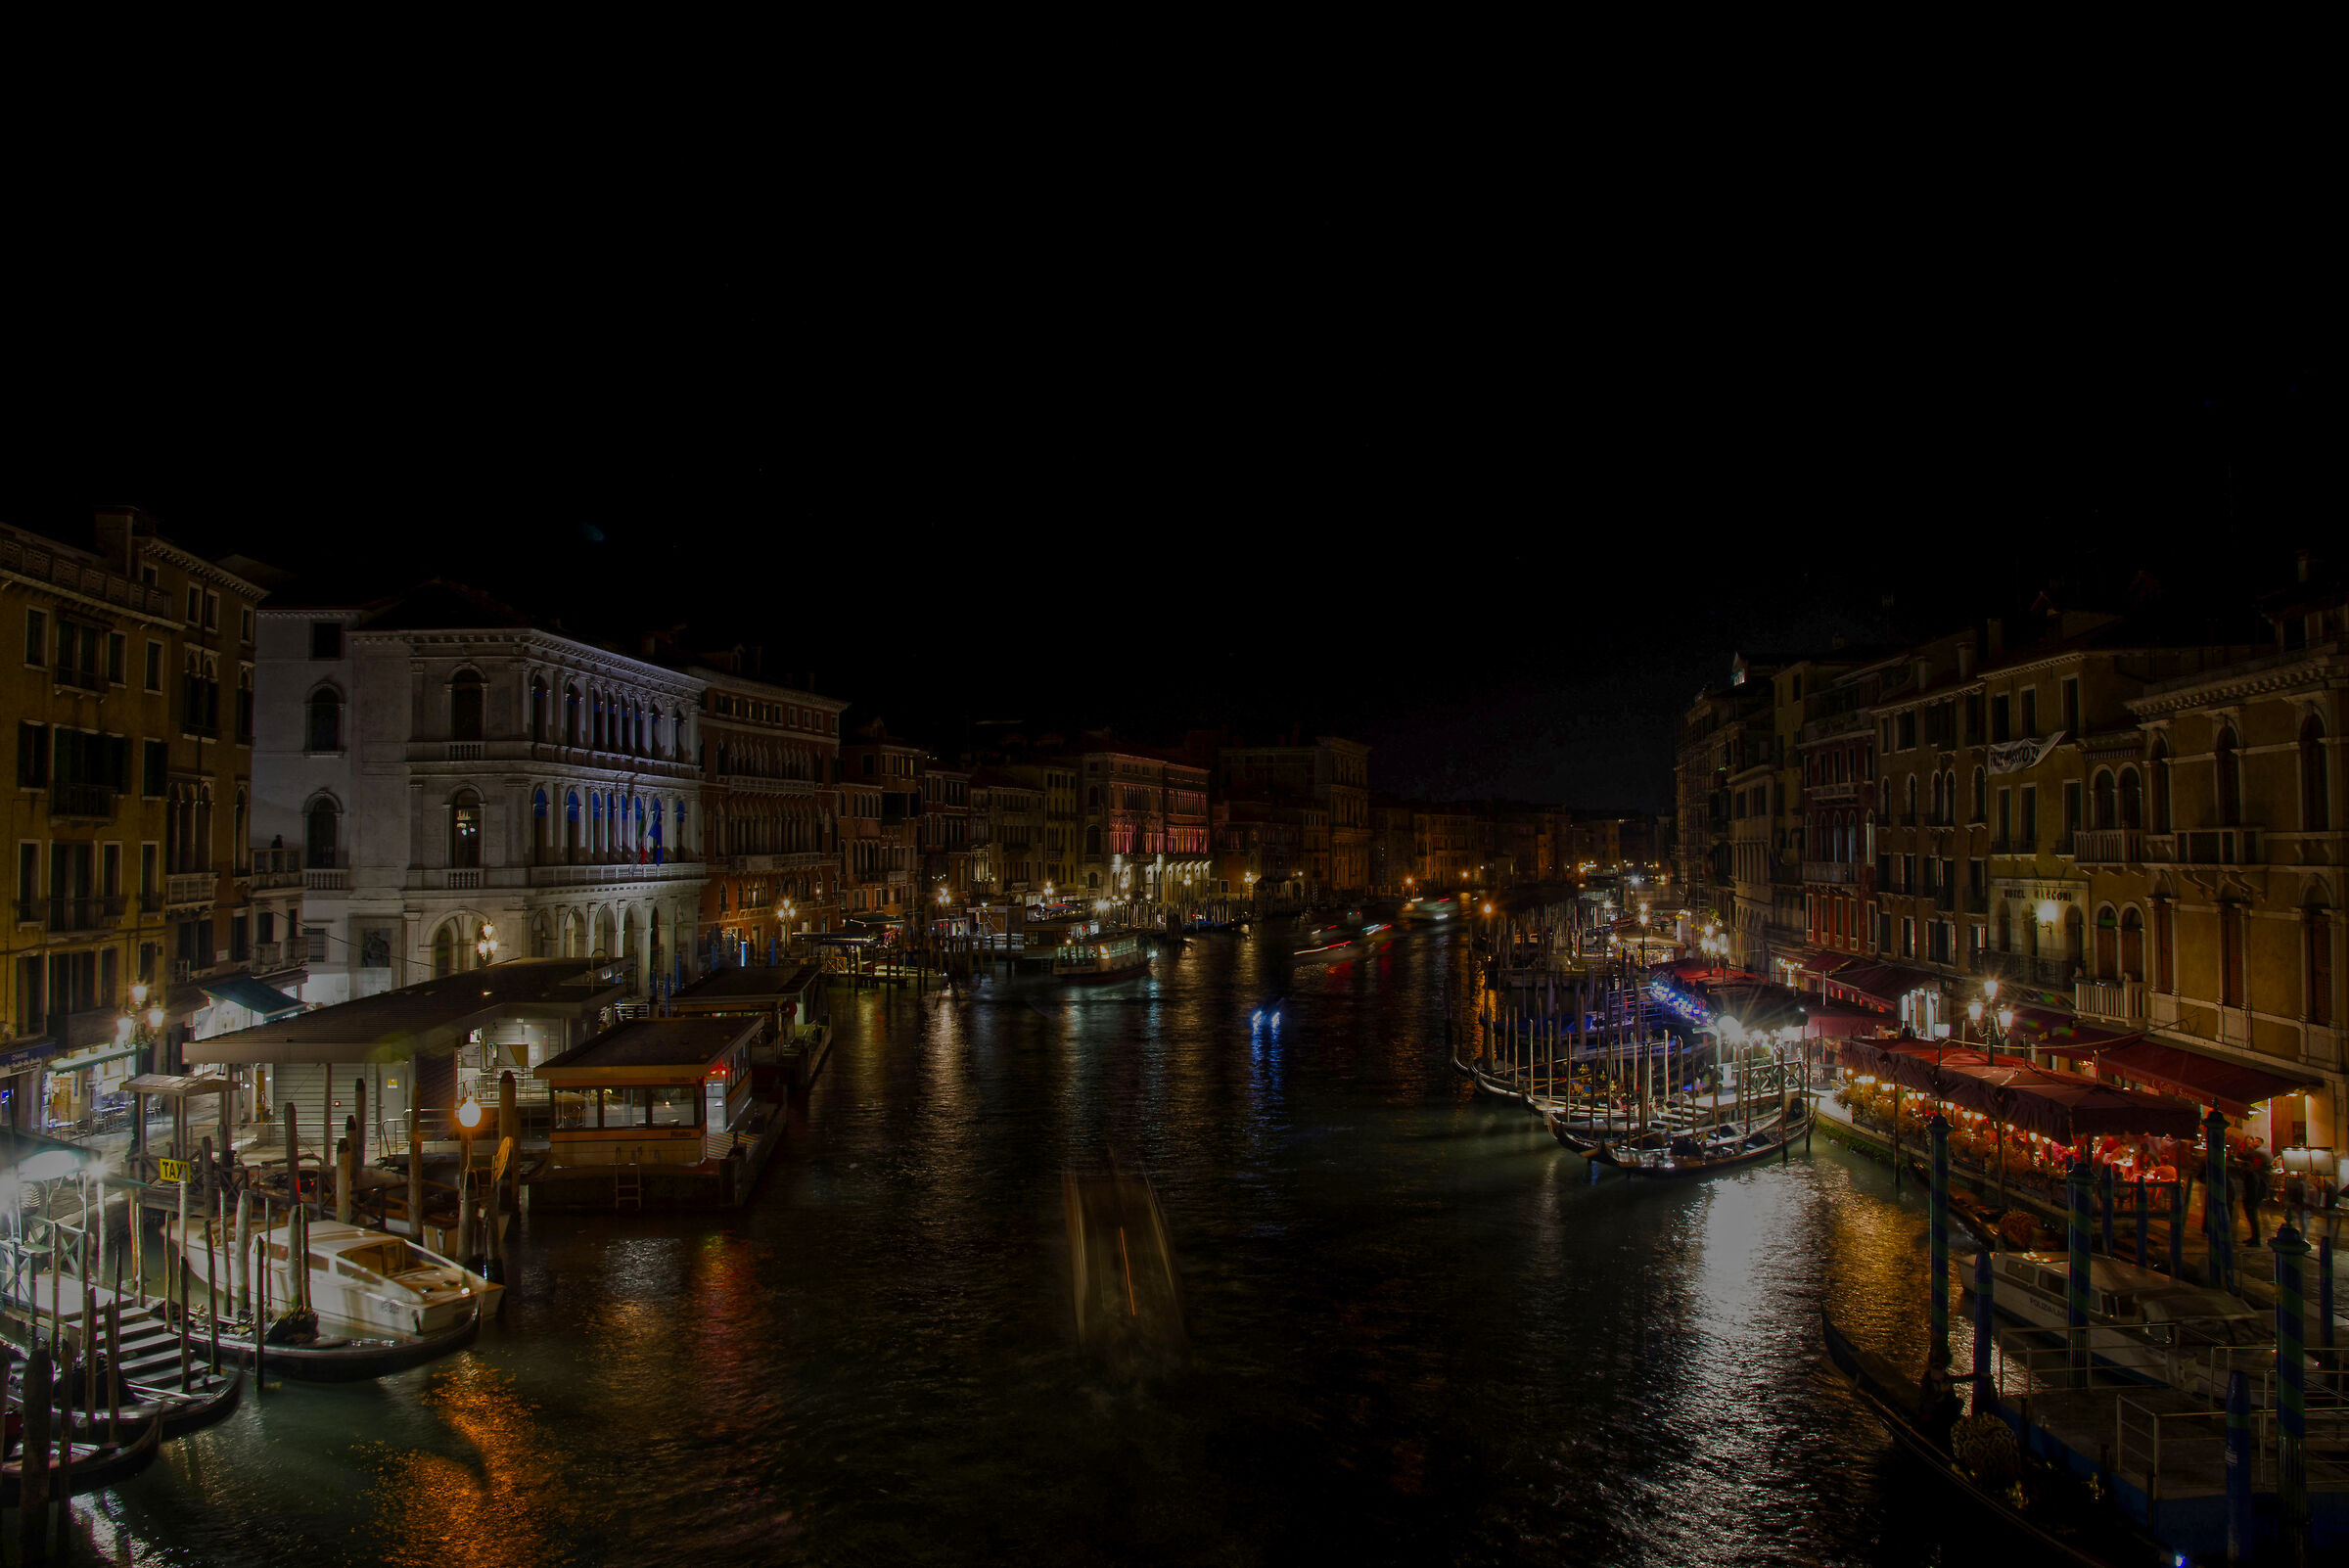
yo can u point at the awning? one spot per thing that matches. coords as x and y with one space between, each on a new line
250 995
81 1059
1829 1019
2233 1086
2062 1106
1882 984
171 1086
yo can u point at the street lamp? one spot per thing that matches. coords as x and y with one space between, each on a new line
487 943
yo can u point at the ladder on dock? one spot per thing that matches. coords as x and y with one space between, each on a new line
628 1188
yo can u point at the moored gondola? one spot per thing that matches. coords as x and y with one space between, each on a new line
2042 1505
1689 1154
94 1466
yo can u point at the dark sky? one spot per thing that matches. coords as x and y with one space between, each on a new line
1499 524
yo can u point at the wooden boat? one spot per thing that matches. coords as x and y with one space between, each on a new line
94 1466
369 1279
1701 1152
1325 944
2140 1322
2050 1511
1101 955
207 1397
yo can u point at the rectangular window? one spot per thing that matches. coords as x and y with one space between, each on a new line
118 648
1981 946
148 952
212 612
155 769
37 637
1998 728
2071 704
1908 936
109 975
2030 816
2230 954
148 883
1907 873
2005 817
29 879
314 943
110 871
33 755
245 626
1973 719
155 667
195 615
2320 968
1908 729
326 639
2071 807
239 940
31 1016
2031 712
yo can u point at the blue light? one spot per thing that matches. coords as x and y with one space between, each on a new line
1276 1019
1257 1017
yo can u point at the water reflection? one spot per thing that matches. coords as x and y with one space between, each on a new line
1418 1331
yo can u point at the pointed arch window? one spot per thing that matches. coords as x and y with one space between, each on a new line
2316 806
465 831
322 826
2227 758
2132 802
325 720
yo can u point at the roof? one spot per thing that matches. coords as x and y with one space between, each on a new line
2233 1085
428 1018
172 1088
679 1044
250 995
752 982
2062 1106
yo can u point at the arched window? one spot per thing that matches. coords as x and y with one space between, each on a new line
1908 796
538 715
465 831
2075 935
2227 759
571 825
2316 806
542 935
326 720
2159 767
2133 944
2108 945
445 952
570 717
541 827
465 706
2104 800
321 829
2133 804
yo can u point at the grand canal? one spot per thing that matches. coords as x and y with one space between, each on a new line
1418 1332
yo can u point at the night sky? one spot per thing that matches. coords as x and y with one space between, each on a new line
1506 550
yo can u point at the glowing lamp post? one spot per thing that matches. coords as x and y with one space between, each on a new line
486 945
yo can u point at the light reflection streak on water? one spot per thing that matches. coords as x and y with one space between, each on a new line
1419 1333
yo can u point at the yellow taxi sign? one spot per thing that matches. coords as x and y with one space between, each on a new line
172 1170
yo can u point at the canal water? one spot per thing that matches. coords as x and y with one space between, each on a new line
1418 1332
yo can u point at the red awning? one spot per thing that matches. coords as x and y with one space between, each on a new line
2063 1106
1829 1019
1882 984
2230 1085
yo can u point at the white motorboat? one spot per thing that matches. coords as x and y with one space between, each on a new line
356 1276
2140 1321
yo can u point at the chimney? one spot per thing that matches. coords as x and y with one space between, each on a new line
1966 659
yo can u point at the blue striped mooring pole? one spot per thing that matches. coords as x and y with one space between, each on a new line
2075 1315
2217 1225
2240 1545
2291 1396
1940 1212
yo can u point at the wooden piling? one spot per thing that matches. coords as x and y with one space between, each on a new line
260 1298
358 1124
343 1173
33 1485
89 1331
215 1264
113 1370
509 1125
415 1174
244 1281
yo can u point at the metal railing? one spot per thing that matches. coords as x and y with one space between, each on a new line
94 801
2124 999
2109 846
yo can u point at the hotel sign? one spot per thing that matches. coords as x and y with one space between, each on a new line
2015 756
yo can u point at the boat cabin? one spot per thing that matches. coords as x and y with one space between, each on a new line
652 1091
1100 953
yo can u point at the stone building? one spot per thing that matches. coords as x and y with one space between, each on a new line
455 775
770 802
132 815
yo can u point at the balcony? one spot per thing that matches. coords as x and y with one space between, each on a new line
268 956
2205 847
190 887
275 868
572 876
327 879
71 915
465 751
1829 872
2108 847
459 878
2122 1002
93 803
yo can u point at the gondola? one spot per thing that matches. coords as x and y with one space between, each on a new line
95 1465
355 1359
180 1412
2052 1512
1686 1155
